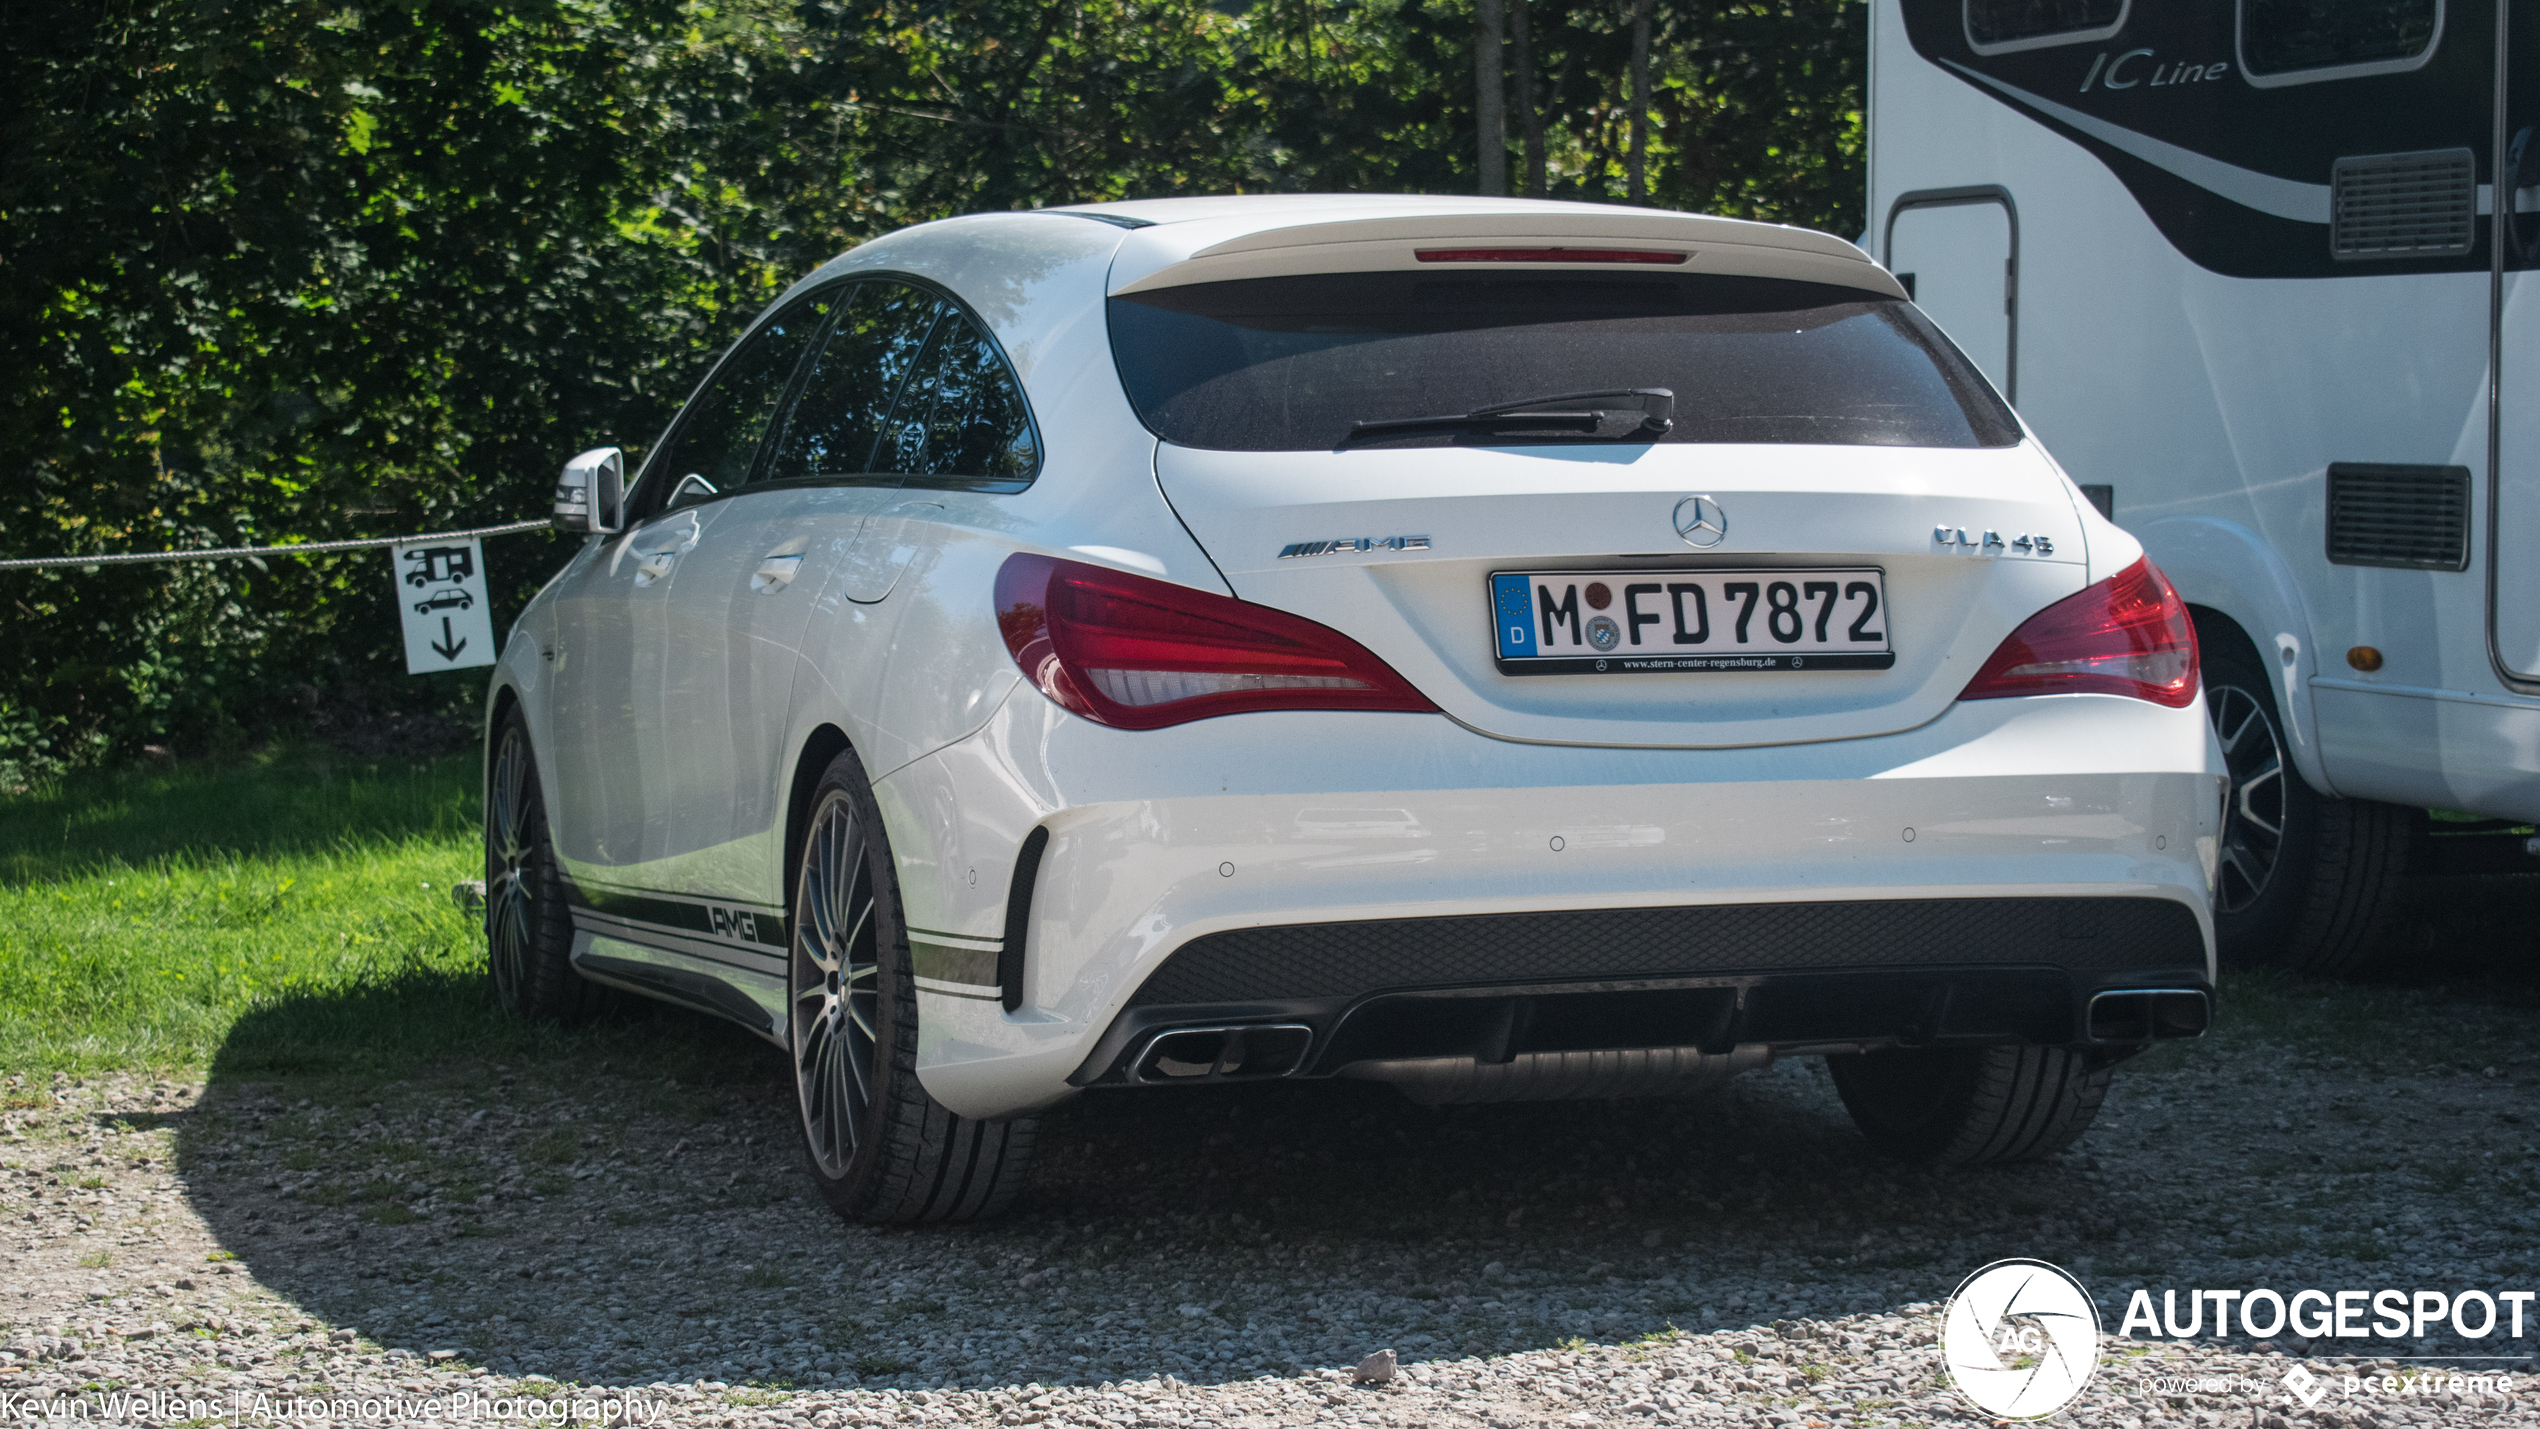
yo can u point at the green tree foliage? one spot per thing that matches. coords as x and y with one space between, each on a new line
1756 106
292 269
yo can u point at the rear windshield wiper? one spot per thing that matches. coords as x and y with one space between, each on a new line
1653 416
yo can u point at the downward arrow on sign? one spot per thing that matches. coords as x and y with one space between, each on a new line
447 648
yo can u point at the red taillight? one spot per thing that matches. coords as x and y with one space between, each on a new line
1135 653
1545 255
2127 635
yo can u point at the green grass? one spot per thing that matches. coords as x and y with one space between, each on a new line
275 806
287 915
264 911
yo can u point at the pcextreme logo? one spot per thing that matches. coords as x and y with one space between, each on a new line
2020 1339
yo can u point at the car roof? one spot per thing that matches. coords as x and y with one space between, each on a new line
1028 273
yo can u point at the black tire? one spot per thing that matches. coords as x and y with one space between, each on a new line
2305 882
528 928
879 1147
1970 1106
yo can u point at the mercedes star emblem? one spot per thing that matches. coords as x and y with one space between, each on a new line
1701 522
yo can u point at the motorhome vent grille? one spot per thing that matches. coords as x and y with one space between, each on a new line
2421 205
2412 517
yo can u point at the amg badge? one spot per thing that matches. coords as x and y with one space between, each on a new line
1353 543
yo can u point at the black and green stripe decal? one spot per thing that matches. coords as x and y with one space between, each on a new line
749 925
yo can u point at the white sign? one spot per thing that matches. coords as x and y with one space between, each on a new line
441 600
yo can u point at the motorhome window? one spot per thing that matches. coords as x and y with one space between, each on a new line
2002 22
1291 364
2284 36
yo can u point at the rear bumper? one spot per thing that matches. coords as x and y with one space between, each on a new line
1225 869
1777 977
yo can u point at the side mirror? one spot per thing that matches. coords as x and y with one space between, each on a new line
591 495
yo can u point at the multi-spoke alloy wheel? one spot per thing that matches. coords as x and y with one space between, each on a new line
528 929
836 985
881 1148
2253 807
2302 880
509 866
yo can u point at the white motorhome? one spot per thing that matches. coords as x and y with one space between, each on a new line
2239 263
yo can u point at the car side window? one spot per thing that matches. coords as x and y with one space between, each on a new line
719 435
834 426
962 424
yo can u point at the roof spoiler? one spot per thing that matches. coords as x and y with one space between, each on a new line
1217 250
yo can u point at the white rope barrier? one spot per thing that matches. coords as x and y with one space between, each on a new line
306 548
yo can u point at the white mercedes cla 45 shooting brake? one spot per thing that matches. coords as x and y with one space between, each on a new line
1502 649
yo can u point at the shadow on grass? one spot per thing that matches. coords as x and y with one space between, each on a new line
428 1025
284 802
2464 949
2475 935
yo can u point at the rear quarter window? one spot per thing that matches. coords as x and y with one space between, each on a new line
1292 363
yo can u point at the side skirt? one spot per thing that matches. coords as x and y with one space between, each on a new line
752 996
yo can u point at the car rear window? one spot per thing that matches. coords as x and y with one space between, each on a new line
1289 364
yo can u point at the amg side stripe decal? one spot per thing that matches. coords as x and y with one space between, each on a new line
755 928
939 966
651 935
958 964
957 940
601 887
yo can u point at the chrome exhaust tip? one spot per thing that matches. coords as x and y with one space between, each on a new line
1223 1054
2149 1014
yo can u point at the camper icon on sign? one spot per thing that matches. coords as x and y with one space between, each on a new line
440 563
443 606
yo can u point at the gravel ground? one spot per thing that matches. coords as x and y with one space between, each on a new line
1192 1257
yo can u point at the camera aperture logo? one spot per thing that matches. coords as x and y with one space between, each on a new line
2020 1339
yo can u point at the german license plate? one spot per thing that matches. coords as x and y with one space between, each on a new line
1662 622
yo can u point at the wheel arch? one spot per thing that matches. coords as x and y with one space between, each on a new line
825 743
2228 572
500 701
